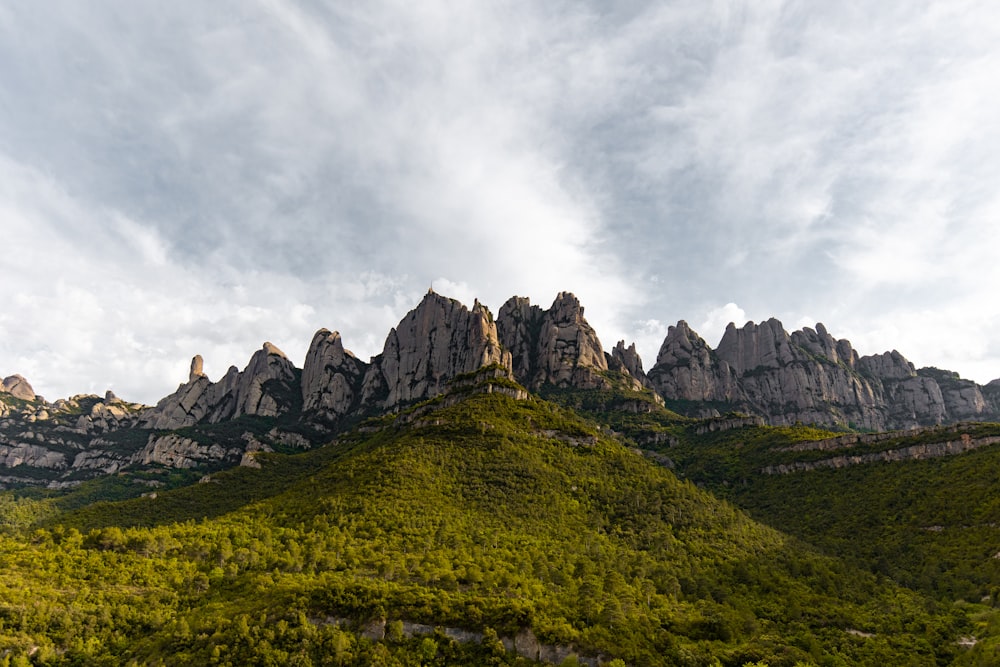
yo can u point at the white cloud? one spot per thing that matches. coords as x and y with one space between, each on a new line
208 177
717 319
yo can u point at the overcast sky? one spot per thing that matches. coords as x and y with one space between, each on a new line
181 178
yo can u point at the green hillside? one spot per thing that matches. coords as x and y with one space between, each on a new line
434 536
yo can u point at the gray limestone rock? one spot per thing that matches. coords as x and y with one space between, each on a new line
963 399
18 387
518 326
331 376
809 376
433 343
175 451
31 455
268 387
887 366
764 345
555 346
629 361
687 369
820 343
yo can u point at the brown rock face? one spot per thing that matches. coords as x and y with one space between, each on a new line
197 364
18 387
331 376
555 346
433 343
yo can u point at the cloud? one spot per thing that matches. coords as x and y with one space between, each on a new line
203 177
717 319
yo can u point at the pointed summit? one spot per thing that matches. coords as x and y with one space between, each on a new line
555 346
433 343
197 368
331 376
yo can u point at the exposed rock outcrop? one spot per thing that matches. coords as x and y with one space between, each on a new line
627 360
555 346
433 343
197 363
18 387
911 453
268 387
687 369
331 377
811 377
31 455
175 451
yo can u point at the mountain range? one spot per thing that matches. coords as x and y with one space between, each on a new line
503 491
806 377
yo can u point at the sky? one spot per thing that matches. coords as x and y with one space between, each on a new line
200 177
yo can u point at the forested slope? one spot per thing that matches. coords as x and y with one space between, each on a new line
488 517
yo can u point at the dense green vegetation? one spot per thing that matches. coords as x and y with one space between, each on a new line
495 517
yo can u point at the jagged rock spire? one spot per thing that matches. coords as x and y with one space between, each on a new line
433 343
331 376
555 346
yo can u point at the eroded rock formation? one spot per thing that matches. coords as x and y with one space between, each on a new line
331 376
433 343
555 346
808 376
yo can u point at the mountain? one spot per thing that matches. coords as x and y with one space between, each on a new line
505 491
809 376
271 405
474 528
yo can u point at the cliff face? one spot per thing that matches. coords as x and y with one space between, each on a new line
761 369
433 343
559 347
811 377
331 377
687 369
267 387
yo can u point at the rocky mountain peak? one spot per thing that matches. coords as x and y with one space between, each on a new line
331 375
765 345
197 368
267 365
518 324
686 369
270 349
682 343
434 342
18 387
887 366
265 388
629 358
819 342
555 346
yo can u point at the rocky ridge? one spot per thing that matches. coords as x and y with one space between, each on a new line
433 343
267 387
808 376
759 369
559 347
